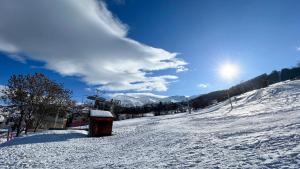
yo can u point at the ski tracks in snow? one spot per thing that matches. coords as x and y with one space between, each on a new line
263 131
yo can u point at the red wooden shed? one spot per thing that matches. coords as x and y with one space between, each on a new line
101 123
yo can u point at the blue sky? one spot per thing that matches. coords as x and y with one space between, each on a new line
258 36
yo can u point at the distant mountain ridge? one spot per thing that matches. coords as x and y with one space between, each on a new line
140 100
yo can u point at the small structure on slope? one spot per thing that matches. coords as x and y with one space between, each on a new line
101 123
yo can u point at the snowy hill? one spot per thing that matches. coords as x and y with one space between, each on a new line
262 131
131 101
174 99
140 100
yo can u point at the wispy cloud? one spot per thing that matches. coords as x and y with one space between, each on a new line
181 69
203 85
137 95
82 38
88 89
298 49
17 58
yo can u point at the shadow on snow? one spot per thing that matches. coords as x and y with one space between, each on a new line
43 138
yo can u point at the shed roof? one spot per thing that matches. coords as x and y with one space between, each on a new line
100 113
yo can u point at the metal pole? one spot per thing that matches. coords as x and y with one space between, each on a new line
229 99
56 118
189 108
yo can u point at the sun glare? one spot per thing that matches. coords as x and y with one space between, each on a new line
228 71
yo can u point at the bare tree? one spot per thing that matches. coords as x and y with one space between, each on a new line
36 97
16 94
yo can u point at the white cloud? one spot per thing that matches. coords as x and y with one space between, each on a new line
82 38
17 58
298 48
88 89
137 95
203 85
181 69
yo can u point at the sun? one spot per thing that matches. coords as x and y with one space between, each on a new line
228 71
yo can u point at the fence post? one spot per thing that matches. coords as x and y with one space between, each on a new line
9 133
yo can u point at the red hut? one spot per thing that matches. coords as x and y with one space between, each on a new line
101 123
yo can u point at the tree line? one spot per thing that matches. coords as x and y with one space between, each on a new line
157 109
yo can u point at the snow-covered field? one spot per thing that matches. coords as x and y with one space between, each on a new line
263 131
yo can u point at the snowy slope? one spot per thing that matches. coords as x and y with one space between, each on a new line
263 131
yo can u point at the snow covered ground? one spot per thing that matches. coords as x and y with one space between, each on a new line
263 131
